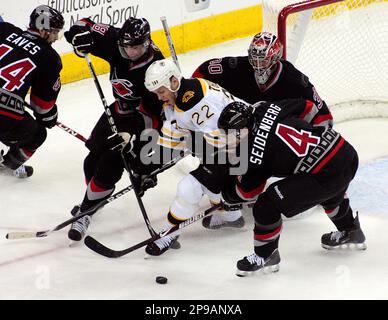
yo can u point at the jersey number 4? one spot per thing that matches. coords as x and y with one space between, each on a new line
298 141
15 72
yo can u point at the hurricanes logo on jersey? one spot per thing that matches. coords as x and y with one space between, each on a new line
187 96
122 88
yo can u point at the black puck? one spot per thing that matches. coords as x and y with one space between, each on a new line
161 280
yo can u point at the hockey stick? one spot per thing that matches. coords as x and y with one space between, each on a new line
169 41
71 131
63 127
114 130
99 248
45 233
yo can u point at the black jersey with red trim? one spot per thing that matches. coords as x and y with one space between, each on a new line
127 78
236 75
28 61
281 144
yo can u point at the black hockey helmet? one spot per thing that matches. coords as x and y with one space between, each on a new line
134 32
236 115
46 18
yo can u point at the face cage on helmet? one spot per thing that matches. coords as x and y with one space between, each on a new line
123 53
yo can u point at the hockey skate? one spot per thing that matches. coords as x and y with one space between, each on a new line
223 220
347 239
253 262
161 245
78 228
21 172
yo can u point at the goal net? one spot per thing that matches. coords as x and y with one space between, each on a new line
341 46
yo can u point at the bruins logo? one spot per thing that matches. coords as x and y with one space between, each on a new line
187 96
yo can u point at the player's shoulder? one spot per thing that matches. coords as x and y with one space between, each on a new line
227 63
190 93
7 28
293 75
51 57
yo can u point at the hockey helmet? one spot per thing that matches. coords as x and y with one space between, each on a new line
159 74
264 52
46 18
236 115
134 32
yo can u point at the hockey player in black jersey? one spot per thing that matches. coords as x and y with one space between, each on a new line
27 61
317 165
129 50
261 76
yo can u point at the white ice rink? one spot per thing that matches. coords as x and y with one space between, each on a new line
204 267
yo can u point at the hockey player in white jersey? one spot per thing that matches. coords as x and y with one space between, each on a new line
191 105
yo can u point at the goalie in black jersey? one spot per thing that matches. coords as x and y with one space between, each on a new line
317 165
129 50
262 75
27 61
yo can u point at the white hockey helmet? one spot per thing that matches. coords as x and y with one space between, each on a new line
159 74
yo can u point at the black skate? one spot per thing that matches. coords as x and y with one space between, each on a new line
75 210
21 172
348 239
161 245
253 263
78 228
217 221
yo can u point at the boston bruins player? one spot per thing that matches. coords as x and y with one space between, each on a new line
191 106
317 164
262 75
27 61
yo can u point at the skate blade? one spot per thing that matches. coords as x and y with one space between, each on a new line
266 270
176 245
73 244
346 246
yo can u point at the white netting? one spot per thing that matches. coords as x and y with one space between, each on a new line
344 51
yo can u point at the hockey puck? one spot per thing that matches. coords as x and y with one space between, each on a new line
161 280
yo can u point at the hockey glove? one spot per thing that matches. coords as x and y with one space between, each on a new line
142 183
121 141
48 119
80 38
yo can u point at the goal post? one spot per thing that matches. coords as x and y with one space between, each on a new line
341 45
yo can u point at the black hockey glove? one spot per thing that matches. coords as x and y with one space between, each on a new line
48 119
144 182
80 38
121 141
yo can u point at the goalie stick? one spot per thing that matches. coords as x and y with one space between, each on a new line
40 234
101 249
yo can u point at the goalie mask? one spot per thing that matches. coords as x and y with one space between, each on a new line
264 52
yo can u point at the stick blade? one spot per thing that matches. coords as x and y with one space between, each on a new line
99 248
25 235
